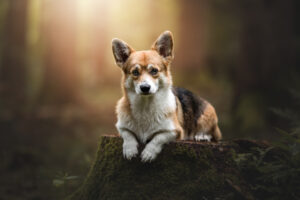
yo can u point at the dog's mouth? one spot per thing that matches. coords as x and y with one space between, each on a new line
146 94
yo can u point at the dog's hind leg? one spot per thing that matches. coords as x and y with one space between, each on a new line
201 136
207 126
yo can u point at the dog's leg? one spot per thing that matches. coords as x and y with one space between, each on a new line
130 144
208 126
154 147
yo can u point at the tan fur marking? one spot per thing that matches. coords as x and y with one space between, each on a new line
123 106
124 77
178 127
208 122
179 112
143 58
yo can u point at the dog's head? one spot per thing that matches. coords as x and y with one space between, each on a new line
145 72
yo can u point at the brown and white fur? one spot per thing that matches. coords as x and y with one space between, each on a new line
152 111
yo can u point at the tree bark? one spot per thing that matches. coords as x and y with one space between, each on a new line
183 170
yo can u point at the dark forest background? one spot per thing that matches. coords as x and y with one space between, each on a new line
59 84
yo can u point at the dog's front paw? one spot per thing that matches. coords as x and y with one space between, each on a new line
149 153
129 152
148 156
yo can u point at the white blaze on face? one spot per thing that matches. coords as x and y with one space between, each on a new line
145 80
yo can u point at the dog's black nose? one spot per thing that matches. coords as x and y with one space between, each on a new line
145 88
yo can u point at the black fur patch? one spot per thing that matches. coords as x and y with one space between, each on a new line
192 107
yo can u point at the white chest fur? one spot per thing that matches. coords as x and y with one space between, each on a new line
149 114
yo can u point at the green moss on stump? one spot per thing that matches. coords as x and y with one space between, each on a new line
183 170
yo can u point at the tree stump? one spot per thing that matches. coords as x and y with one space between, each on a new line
183 170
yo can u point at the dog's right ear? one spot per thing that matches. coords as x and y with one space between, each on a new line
121 51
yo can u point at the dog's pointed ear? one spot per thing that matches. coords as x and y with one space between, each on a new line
121 51
164 45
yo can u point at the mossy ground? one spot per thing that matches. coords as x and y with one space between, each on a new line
183 170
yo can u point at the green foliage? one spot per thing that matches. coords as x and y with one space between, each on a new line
292 114
274 172
290 140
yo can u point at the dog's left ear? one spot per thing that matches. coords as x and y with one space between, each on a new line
164 45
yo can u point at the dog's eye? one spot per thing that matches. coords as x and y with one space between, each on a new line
135 72
154 71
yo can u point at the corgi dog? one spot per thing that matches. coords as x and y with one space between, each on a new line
151 110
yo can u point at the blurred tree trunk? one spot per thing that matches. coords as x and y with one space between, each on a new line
267 56
266 43
59 35
191 46
12 69
99 36
94 40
